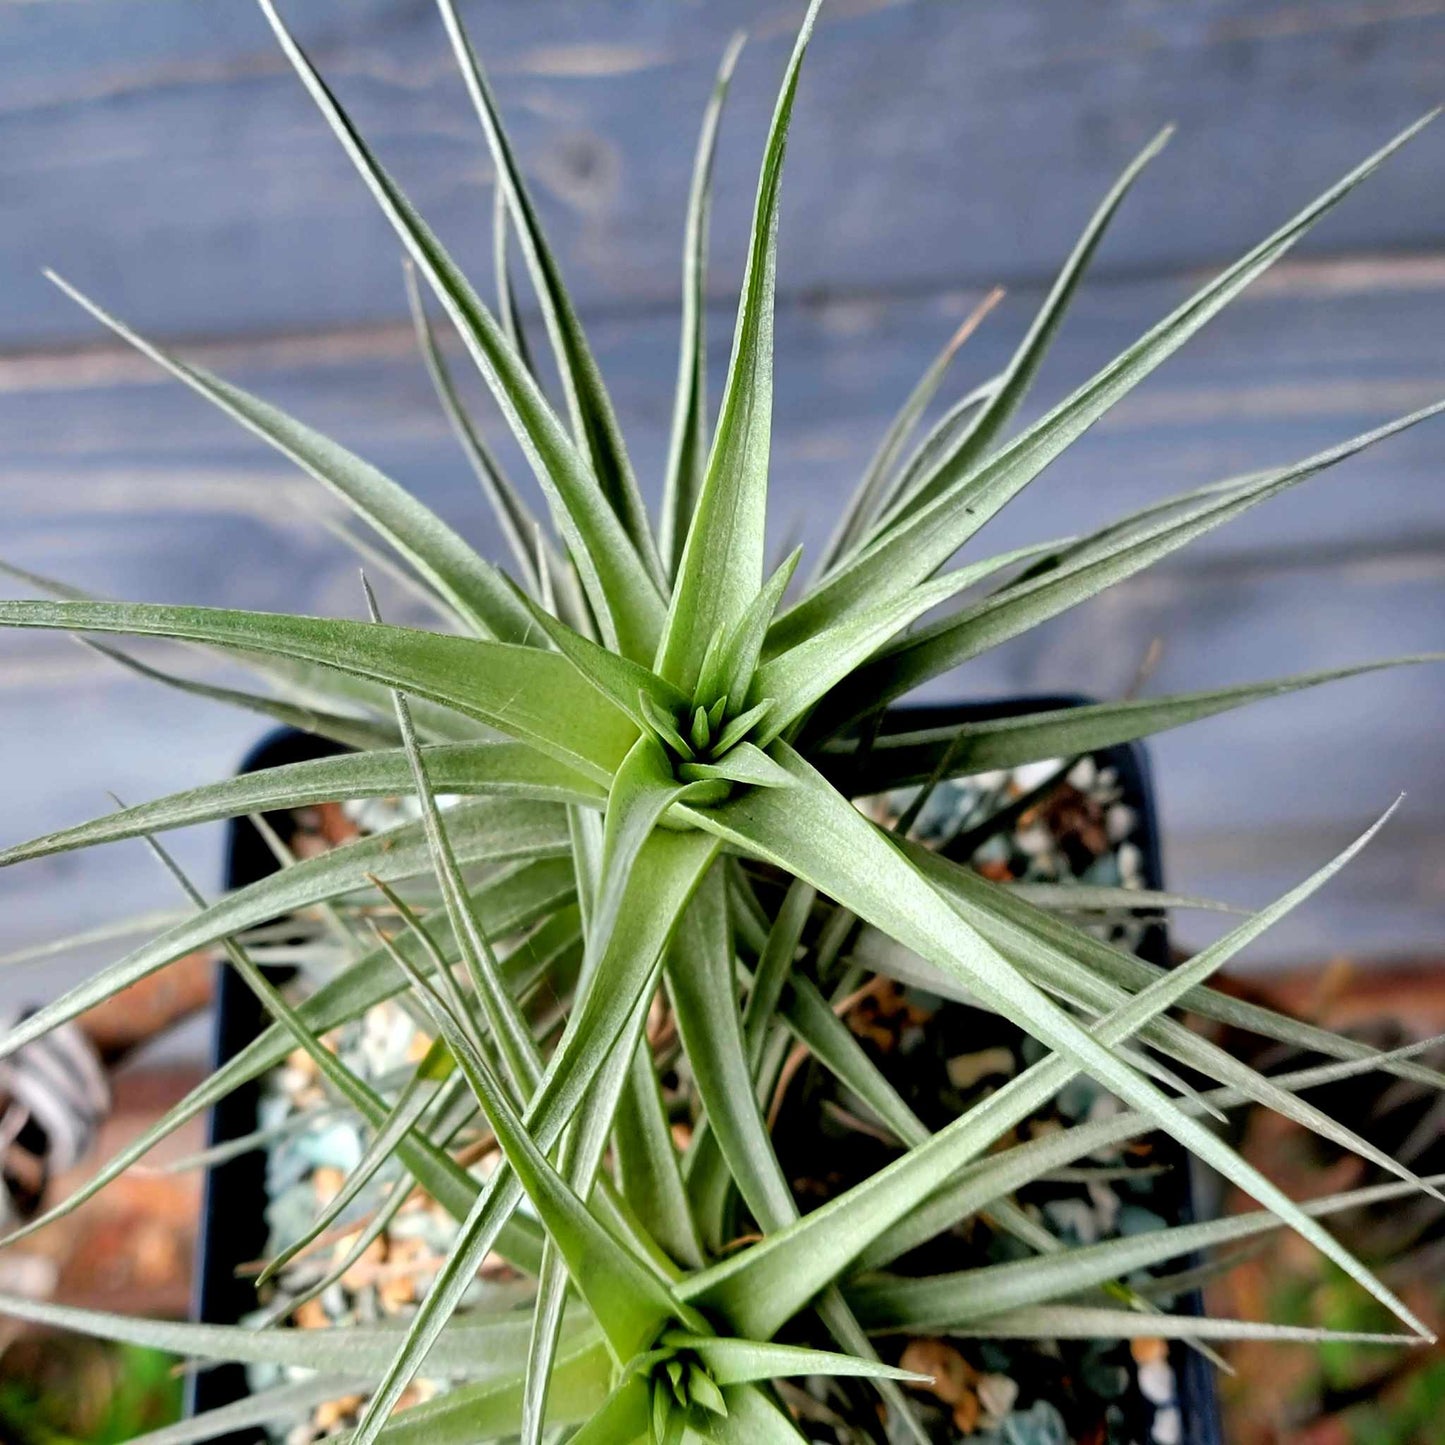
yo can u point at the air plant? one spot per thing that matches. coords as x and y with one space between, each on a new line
655 748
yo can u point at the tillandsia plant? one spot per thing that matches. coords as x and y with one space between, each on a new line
655 751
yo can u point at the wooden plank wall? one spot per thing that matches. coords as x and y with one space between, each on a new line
161 155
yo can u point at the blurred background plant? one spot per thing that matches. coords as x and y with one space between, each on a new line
1343 1394
65 1390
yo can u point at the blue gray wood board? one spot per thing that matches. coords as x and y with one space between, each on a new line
160 155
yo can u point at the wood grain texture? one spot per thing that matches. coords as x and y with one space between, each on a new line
1292 368
164 156
133 485
161 156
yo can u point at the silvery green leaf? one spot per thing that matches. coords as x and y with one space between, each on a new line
619 584
472 769
701 983
593 422
668 869
522 691
901 759
743 1362
513 901
688 443
977 1185
514 516
1081 1322
483 829
878 481
721 569
923 541
472 587
989 422
818 835
953 1303
946 644
282 1404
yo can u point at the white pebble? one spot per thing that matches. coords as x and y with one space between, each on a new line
1031 775
1168 1426
1082 774
1106 1204
997 1394
1156 1381
1105 1106
1120 822
1074 1216
290 1081
965 1070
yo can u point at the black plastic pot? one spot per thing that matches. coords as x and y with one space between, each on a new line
233 1218
233 1228
1198 1398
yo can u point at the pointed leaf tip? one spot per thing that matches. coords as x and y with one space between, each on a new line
722 557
